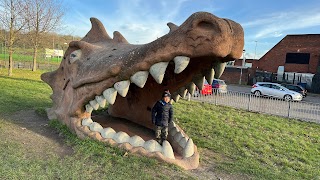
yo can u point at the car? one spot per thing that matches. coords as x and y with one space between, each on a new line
296 88
206 90
219 86
275 90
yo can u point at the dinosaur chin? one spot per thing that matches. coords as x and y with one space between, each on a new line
125 79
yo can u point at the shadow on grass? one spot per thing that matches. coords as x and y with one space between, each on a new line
20 79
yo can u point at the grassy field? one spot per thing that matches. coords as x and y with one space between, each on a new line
242 143
29 58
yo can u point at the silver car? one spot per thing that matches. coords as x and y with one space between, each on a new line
275 90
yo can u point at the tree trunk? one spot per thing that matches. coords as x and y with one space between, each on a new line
35 52
10 61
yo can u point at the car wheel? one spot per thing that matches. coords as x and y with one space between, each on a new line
287 97
257 93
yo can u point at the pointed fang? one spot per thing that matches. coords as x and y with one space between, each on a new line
158 70
140 78
199 81
181 63
209 74
110 94
122 87
219 69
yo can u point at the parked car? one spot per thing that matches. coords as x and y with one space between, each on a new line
296 88
275 90
219 86
206 90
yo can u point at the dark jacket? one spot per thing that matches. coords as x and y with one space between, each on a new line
162 113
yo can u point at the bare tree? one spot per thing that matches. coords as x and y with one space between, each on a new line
43 16
13 21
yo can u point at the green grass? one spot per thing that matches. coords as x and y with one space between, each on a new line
24 90
262 146
29 58
256 145
90 160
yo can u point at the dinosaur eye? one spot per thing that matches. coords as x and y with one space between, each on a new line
74 56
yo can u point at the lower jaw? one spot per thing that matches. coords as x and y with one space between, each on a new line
149 148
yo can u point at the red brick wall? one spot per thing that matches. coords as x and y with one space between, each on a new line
231 75
292 44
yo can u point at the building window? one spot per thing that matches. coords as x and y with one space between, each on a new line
298 58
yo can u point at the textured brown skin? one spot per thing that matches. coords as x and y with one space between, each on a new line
203 37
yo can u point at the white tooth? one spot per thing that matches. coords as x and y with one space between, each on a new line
189 149
172 125
122 87
178 136
174 131
209 74
121 137
86 121
96 127
136 141
191 87
175 97
110 94
140 78
181 62
107 133
199 81
182 92
167 149
157 71
89 108
94 104
101 101
183 142
218 69
171 101
152 146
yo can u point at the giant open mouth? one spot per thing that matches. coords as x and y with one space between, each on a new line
137 96
105 88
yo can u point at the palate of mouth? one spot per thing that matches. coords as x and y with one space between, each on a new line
130 103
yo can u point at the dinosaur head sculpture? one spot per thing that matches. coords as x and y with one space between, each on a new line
100 71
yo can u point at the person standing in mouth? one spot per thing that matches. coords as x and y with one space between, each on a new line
162 116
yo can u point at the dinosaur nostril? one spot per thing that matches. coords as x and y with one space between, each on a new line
207 25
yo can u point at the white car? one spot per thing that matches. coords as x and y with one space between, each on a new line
275 90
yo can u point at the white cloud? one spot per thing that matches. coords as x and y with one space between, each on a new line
137 20
277 24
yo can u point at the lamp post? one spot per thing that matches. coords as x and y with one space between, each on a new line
255 50
243 63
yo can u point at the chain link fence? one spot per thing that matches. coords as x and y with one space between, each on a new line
291 109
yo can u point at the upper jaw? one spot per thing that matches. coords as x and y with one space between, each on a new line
202 34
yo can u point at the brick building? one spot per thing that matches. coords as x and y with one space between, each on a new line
296 53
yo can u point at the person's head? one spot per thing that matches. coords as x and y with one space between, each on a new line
166 96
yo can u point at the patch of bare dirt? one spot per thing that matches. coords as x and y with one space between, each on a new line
35 135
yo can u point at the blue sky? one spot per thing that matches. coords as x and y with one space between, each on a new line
265 23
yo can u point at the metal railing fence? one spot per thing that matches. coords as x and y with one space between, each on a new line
305 111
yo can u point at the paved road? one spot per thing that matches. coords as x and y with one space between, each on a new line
313 98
